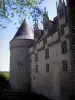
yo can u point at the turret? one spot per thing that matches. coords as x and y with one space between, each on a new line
62 14
45 22
20 77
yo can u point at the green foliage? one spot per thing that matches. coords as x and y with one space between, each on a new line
5 75
10 8
3 82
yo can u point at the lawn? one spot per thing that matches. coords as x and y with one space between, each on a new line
5 74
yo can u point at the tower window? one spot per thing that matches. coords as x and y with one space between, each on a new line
62 29
47 53
64 65
36 68
47 67
61 13
64 47
20 63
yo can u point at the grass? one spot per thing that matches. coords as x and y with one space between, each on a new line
5 74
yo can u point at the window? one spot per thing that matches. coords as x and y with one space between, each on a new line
44 40
64 65
47 53
30 59
62 29
64 47
20 63
36 68
33 77
61 13
36 57
33 69
47 67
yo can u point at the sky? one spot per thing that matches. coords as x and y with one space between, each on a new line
8 33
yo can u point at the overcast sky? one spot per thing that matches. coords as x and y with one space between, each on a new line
7 34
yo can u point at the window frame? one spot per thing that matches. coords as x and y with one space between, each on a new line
36 56
46 53
64 47
62 29
36 68
47 67
64 65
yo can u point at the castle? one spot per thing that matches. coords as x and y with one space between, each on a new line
41 61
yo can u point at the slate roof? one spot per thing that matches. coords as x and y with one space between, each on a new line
25 31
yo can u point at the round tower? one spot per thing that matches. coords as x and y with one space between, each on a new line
20 71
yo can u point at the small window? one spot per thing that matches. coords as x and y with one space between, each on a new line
47 67
62 29
64 47
30 59
36 56
47 53
45 40
20 63
33 70
62 13
33 77
64 65
36 68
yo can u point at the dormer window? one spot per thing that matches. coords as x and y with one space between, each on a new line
61 29
61 13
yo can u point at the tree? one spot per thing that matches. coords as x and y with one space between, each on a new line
9 8
3 82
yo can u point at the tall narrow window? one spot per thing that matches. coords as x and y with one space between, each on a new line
45 40
47 53
20 63
64 65
64 47
36 56
62 29
36 68
62 13
47 67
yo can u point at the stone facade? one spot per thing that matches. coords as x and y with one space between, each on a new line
56 83
51 83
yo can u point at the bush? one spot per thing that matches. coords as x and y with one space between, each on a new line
3 82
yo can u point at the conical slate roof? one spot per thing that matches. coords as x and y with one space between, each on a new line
24 32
